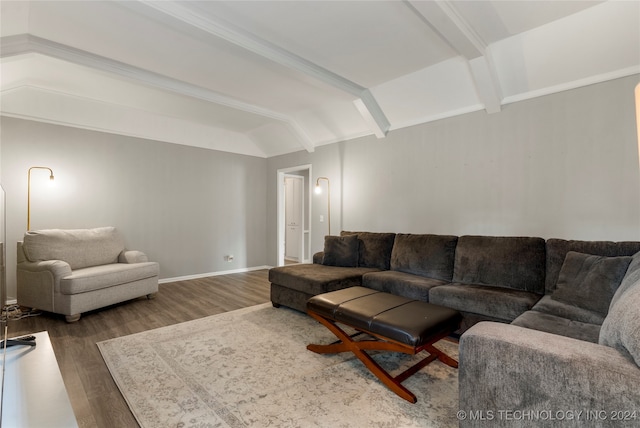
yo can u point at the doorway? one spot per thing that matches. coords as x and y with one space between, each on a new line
293 218
294 209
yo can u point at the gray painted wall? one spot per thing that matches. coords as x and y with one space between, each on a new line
185 207
563 165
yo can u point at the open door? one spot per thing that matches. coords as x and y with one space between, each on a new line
294 241
293 218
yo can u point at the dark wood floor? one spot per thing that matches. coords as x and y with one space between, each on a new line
94 396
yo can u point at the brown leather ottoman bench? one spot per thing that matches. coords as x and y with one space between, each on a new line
395 323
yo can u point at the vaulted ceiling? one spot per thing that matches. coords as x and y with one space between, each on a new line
264 78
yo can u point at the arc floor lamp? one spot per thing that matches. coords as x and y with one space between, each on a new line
29 191
318 191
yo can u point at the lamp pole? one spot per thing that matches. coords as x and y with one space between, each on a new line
29 191
319 190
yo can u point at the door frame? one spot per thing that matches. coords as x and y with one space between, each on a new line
280 226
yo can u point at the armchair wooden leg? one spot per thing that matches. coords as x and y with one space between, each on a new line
152 296
72 318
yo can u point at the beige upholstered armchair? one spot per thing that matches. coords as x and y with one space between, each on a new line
74 271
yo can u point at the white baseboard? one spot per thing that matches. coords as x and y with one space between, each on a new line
205 275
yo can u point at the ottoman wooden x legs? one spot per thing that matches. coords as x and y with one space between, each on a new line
396 324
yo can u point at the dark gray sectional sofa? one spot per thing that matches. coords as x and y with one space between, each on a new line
564 319
487 278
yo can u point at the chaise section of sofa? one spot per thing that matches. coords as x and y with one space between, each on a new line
293 285
343 263
495 278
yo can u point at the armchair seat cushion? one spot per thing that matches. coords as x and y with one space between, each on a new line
97 277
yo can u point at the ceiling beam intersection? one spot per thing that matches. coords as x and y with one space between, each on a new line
446 21
365 102
26 43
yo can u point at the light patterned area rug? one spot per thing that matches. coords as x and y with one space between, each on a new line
251 368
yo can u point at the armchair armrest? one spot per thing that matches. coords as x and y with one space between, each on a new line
506 369
38 282
132 256
57 268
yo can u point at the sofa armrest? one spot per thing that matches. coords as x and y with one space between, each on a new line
132 256
57 268
513 376
318 257
39 282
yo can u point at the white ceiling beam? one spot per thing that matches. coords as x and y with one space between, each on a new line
372 114
487 84
450 26
445 20
26 43
366 103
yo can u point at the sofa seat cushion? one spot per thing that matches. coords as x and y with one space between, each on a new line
562 326
401 284
497 302
426 255
105 276
315 279
548 305
501 261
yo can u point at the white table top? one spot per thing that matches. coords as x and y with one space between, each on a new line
34 394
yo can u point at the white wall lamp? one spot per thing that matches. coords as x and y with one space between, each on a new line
319 191
29 191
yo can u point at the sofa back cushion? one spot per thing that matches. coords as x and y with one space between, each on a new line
621 327
631 277
374 249
557 250
431 256
589 282
79 247
340 251
502 261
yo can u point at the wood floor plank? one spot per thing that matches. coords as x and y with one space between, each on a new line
94 396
